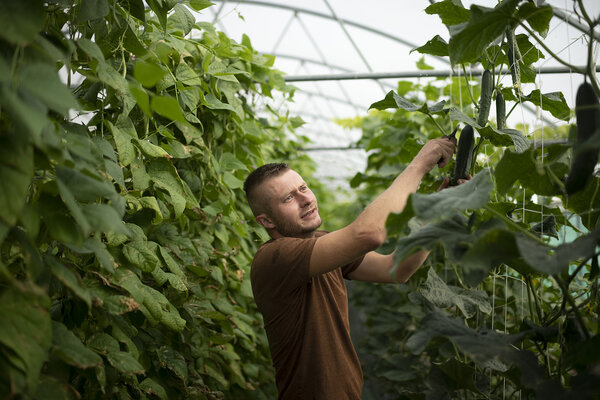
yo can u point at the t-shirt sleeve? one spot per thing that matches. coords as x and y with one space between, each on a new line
282 266
347 269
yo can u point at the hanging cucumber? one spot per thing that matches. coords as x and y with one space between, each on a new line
587 116
464 154
485 101
514 56
500 111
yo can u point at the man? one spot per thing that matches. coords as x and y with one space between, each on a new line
297 276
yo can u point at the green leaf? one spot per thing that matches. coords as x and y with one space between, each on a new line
173 361
21 20
186 75
151 203
537 17
213 103
529 170
162 309
183 18
471 195
83 186
393 100
26 328
70 349
484 26
199 5
92 9
124 362
42 82
16 170
231 181
151 150
168 107
164 175
147 73
104 218
553 102
436 47
553 261
25 114
483 255
469 301
70 279
151 387
141 256
449 12
123 132
452 232
91 48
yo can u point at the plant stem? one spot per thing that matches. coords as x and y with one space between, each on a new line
557 58
538 310
469 87
565 289
436 123
515 226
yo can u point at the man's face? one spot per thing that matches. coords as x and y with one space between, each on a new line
293 206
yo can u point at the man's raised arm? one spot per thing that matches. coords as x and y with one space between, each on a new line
367 232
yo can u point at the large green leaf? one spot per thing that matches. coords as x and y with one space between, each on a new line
26 329
147 73
553 102
445 204
485 25
21 20
183 18
527 167
487 348
449 11
70 349
123 133
42 82
92 9
498 137
452 232
141 256
167 107
538 17
164 175
553 261
394 100
469 301
16 171
436 47
69 278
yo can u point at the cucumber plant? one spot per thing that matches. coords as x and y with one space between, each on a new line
507 304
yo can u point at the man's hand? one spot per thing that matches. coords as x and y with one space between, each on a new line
435 152
446 182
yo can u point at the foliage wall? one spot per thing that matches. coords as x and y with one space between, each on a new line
506 305
124 234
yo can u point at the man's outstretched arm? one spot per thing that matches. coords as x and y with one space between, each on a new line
368 231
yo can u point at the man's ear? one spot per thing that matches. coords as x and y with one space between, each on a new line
265 221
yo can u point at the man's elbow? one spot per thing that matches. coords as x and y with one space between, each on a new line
371 238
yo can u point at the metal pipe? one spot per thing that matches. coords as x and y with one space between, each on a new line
407 74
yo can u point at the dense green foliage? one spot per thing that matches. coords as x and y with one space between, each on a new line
507 304
125 241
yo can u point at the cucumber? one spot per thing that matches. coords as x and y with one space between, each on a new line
514 56
485 101
464 155
587 116
500 111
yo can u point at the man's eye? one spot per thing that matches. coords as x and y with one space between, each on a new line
304 188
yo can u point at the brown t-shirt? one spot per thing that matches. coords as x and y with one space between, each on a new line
306 320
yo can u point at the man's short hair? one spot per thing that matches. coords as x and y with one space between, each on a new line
256 178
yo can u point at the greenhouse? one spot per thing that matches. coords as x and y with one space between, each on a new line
452 147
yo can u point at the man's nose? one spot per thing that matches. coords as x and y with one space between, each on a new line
304 199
